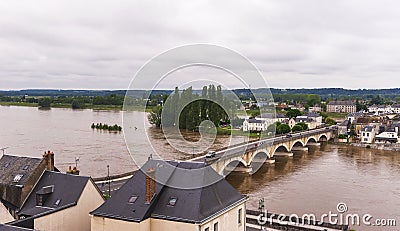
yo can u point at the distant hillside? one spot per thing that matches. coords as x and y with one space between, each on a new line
324 93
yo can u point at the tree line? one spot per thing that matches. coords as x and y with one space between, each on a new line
187 109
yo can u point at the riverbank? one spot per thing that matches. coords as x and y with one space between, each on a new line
382 147
87 106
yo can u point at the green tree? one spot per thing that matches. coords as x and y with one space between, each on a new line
45 102
282 129
330 121
77 104
297 128
155 116
303 125
292 113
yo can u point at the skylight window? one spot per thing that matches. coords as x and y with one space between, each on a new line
172 201
132 199
17 178
6 165
57 203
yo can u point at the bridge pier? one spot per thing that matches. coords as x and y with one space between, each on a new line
300 149
283 154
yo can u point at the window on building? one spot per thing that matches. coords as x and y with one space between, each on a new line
57 203
240 216
26 167
172 201
17 178
132 199
367 134
216 226
207 229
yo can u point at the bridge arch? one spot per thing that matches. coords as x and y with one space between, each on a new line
297 143
260 155
233 162
281 147
323 137
311 139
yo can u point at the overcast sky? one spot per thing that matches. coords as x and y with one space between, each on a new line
295 44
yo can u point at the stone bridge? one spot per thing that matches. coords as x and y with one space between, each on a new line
246 156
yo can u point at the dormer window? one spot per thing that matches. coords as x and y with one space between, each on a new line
44 193
17 178
25 167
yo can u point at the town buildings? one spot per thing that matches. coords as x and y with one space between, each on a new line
346 106
18 177
60 202
147 205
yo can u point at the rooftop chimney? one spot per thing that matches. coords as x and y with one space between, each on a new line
49 158
150 184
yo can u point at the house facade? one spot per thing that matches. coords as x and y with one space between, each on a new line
390 135
5 215
143 203
19 175
60 202
254 125
337 106
367 134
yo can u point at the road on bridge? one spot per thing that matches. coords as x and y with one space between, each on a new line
241 148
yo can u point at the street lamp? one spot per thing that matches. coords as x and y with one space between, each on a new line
108 177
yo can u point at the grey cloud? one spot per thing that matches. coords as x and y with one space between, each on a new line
101 44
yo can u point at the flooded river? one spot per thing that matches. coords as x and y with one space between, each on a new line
368 181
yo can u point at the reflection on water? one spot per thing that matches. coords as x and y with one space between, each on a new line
367 180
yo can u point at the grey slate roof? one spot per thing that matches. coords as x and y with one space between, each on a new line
342 102
66 188
192 205
255 121
367 129
12 228
11 166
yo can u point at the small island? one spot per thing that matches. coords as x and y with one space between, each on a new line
101 126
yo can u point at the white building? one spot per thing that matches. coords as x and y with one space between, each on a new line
315 108
60 202
341 106
255 125
313 120
390 135
367 134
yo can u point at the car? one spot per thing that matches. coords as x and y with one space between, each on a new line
288 135
210 154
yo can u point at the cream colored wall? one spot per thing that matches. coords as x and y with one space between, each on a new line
5 216
107 224
228 221
75 218
162 225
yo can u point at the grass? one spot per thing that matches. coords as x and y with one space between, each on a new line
23 104
87 106
335 115
236 132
